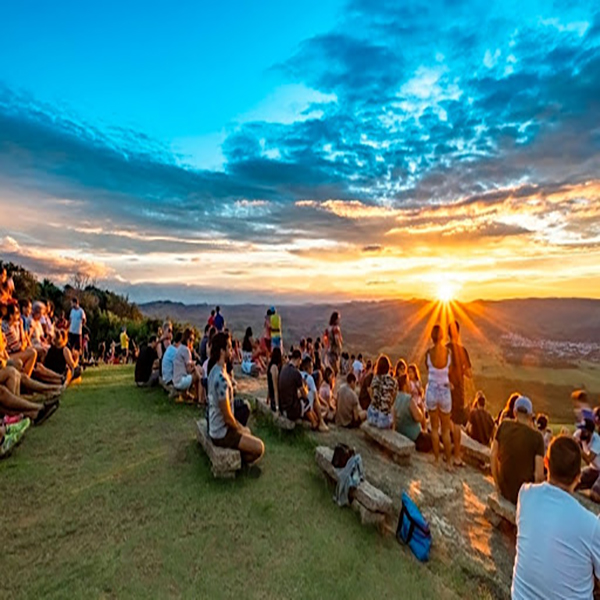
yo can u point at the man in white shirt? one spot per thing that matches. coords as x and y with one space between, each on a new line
76 322
187 375
168 359
313 413
558 540
589 442
357 367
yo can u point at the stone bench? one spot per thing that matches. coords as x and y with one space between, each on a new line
499 509
474 452
371 503
278 419
224 461
397 444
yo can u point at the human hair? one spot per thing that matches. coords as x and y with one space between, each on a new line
219 344
306 364
413 367
369 364
60 338
211 333
541 421
296 354
75 301
480 399
359 357
383 365
212 312
353 357
24 302
400 366
11 309
564 460
153 339
328 375
436 334
453 328
351 378
187 334
303 344
335 317
276 357
206 328
509 409
246 343
218 309
178 337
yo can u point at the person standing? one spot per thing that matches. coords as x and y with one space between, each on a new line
219 322
77 320
558 540
334 342
275 329
124 339
460 368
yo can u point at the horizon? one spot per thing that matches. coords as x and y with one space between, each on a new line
335 151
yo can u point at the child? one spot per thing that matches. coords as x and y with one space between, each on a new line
415 386
541 422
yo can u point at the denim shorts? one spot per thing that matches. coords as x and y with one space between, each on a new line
438 396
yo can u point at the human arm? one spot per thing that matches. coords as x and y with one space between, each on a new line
494 462
417 414
539 469
275 379
69 359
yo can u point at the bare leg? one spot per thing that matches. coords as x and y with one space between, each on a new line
252 449
457 431
435 434
446 425
37 386
28 358
47 375
11 379
13 405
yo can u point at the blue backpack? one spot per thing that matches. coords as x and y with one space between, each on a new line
413 529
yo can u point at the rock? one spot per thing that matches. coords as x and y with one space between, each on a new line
370 497
368 517
224 461
396 443
277 418
474 450
502 507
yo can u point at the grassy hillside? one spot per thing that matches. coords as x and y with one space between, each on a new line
112 498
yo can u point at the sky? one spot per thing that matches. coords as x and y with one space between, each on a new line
300 152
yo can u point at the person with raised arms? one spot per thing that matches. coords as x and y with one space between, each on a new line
223 429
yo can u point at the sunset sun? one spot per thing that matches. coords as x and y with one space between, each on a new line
446 292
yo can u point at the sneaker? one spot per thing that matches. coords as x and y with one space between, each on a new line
18 429
7 445
322 428
45 413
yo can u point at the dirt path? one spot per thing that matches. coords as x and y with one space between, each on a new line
453 503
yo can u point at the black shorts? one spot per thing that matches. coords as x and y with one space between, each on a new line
74 340
230 440
459 413
293 412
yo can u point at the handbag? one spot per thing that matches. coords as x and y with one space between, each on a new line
413 529
341 455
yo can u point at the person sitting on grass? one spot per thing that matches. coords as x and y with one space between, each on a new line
517 452
349 414
223 429
313 414
327 399
273 370
481 424
410 420
589 442
187 376
292 393
558 539
383 393
168 359
61 360
146 366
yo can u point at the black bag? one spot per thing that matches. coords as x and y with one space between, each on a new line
341 455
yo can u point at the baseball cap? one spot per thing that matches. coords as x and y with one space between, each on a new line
272 309
524 405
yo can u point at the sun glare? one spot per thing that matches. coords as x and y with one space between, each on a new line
445 292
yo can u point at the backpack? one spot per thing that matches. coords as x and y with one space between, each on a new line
341 455
413 529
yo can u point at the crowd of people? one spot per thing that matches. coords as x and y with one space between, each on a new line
319 382
40 355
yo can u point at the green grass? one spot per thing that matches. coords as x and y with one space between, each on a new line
113 498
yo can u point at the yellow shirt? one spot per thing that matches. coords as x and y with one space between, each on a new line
124 340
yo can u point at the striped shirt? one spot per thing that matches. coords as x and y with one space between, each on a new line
14 336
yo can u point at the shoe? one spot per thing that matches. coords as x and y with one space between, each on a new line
322 428
18 429
7 445
45 413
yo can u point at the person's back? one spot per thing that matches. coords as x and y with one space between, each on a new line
55 360
481 425
219 387
219 322
558 540
290 381
347 407
182 358
143 365
518 447
384 388
168 363
364 396
405 423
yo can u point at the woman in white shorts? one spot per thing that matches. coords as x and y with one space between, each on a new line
438 397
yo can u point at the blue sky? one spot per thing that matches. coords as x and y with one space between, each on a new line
191 151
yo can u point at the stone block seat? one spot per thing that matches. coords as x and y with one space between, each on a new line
225 462
373 505
474 452
278 419
499 509
398 445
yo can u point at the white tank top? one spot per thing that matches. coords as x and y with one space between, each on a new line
438 376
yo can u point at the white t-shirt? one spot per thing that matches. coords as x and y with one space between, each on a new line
558 546
220 388
168 363
76 317
36 332
312 388
182 358
357 367
593 446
